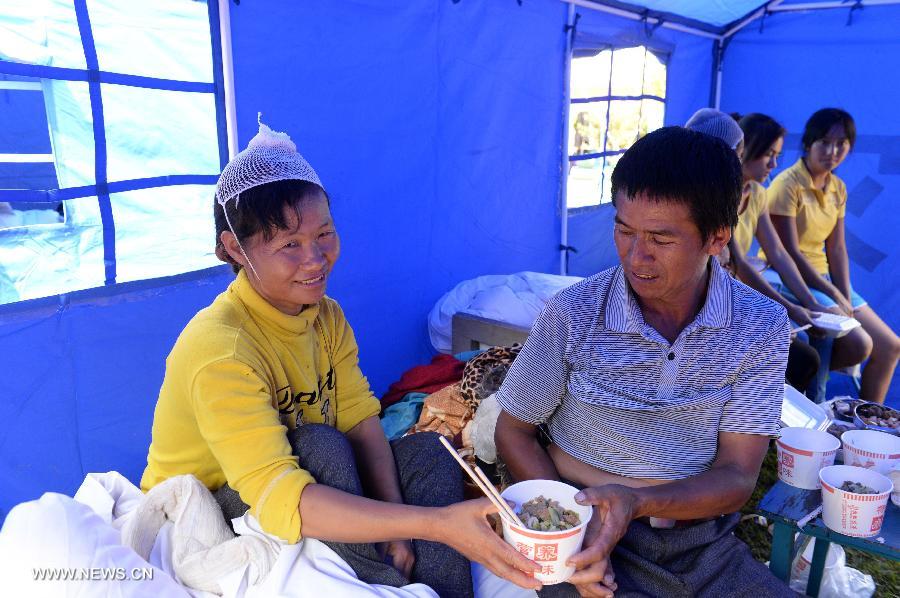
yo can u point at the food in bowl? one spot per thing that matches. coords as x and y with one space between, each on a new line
895 478
544 515
838 428
843 408
873 415
857 488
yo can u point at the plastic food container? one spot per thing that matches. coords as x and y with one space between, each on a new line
834 325
797 411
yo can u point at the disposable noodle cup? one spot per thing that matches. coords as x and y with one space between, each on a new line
550 550
849 513
802 452
871 449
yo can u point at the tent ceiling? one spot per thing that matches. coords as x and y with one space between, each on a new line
721 18
717 13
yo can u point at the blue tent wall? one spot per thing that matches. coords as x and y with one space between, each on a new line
436 129
434 126
688 78
81 375
803 62
82 370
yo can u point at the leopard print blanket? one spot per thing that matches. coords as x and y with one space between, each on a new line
450 410
484 374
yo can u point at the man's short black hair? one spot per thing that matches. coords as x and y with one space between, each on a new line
676 165
260 209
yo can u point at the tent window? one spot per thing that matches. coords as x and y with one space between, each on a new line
26 154
617 96
113 111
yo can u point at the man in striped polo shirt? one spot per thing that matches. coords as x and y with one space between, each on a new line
659 382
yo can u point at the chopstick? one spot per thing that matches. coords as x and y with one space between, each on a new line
485 486
799 328
496 494
815 513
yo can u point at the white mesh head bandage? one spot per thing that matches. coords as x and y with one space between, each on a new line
270 156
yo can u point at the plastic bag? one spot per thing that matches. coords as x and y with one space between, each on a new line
482 429
838 580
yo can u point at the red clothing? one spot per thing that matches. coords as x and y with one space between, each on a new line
443 370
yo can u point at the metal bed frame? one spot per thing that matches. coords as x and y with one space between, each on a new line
470 332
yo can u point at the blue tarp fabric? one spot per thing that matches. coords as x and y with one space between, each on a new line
436 127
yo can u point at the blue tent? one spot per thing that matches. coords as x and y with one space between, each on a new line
439 127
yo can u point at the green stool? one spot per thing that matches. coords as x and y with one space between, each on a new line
784 505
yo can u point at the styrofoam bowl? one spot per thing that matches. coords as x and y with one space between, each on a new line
550 550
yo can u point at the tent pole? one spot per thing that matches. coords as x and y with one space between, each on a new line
718 104
769 7
772 7
564 179
715 83
228 75
638 17
821 5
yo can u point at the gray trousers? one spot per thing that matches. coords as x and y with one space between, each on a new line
703 560
429 477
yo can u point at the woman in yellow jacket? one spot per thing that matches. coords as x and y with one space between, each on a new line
263 397
807 204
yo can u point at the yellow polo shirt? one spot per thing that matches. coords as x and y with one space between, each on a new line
240 376
816 212
747 220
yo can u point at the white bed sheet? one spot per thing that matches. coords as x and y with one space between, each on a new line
58 532
515 299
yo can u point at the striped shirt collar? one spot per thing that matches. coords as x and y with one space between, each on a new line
623 314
